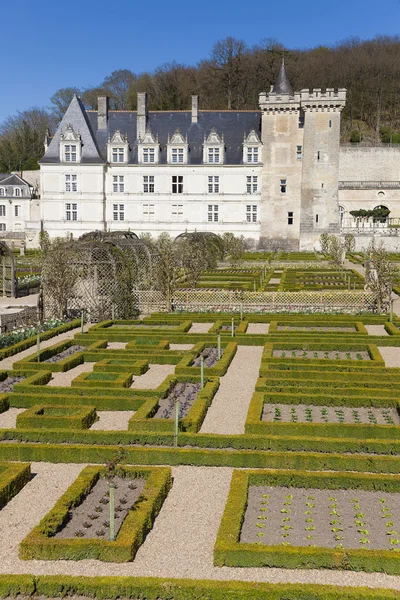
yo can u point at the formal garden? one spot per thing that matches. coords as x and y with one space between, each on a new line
205 453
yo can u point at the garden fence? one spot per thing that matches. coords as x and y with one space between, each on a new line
27 316
215 300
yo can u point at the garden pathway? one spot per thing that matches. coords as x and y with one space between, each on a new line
8 419
180 544
228 411
153 377
181 346
116 345
390 355
65 379
262 328
111 420
200 327
376 330
7 363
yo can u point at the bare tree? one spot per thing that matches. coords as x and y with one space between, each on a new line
60 101
58 275
379 275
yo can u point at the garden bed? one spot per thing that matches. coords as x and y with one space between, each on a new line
65 354
7 385
302 413
210 356
321 354
185 393
51 416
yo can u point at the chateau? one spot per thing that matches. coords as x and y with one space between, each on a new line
278 174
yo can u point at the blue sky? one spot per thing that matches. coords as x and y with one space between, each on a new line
53 44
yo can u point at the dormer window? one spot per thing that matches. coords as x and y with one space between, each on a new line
18 192
117 148
177 149
213 155
148 149
70 145
251 148
2 191
213 148
177 155
118 155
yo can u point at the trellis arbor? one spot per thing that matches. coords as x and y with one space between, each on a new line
96 274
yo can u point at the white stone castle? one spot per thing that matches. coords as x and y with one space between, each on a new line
279 173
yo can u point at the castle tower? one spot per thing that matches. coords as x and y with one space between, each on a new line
319 190
301 139
282 137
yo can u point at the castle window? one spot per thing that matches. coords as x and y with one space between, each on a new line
213 184
71 183
177 155
2 191
283 186
2 210
301 120
290 218
18 192
148 212
330 123
148 184
318 155
119 184
213 155
71 212
299 152
17 211
212 213
148 155
70 153
3 227
251 184
177 184
252 154
251 213
118 212
316 218
177 213
118 155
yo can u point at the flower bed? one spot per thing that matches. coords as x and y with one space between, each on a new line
311 520
58 358
54 416
43 542
305 413
190 363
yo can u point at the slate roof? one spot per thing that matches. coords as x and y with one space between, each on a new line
282 85
12 179
233 125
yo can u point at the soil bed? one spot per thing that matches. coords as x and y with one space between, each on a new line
184 393
328 354
302 413
8 384
91 518
228 328
277 516
210 355
64 354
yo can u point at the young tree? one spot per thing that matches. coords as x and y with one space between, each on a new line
58 276
349 242
379 275
234 247
324 241
168 266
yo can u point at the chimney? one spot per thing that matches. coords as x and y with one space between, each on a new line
195 109
102 112
141 123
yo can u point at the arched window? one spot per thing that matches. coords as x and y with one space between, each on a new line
2 191
382 213
17 192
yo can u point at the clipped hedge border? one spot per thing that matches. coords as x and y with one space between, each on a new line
104 326
110 365
31 362
184 366
40 543
87 380
255 425
142 420
358 328
228 551
77 397
153 588
335 395
45 335
13 477
82 417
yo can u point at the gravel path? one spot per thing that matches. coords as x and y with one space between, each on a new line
262 328
153 377
64 379
116 345
111 420
390 355
228 411
376 330
180 544
8 419
7 363
181 346
200 327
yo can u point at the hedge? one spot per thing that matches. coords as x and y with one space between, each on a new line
45 335
336 395
95 379
152 588
229 551
13 477
144 455
77 397
104 326
143 419
112 365
255 424
40 543
69 417
31 362
185 367
358 327
4 404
